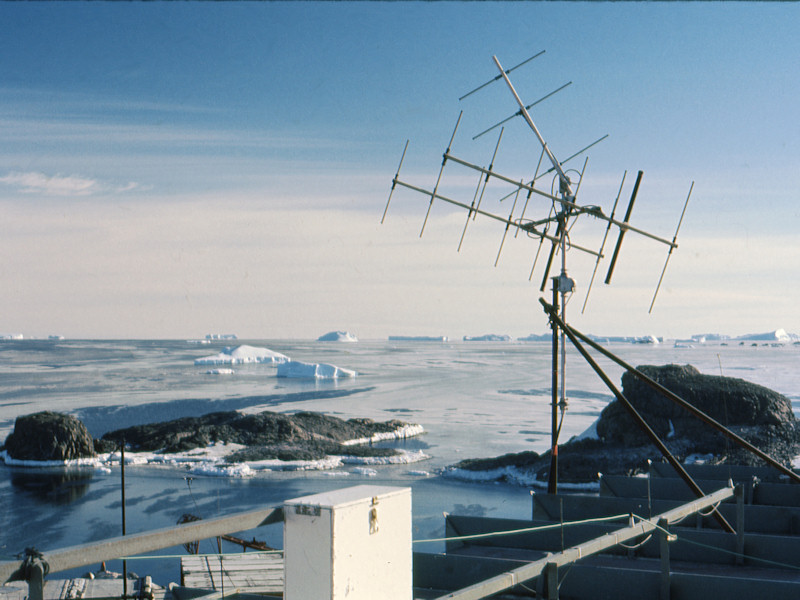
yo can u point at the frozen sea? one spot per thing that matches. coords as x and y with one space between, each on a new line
474 399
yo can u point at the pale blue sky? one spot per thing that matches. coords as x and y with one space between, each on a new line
176 169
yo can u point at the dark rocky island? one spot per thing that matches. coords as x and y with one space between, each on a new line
761 416
49 436
302 436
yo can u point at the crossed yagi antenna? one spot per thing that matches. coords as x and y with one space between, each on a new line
561 199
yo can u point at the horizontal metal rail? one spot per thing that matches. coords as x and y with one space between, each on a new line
131 545
509 579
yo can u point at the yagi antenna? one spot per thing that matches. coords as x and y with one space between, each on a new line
671 248
563 211
519 112
603 243
491 81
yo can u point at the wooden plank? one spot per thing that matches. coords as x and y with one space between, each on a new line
246 572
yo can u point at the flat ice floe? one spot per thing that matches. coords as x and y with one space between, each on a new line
298 369
243 354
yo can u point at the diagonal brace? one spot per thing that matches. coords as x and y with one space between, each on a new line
633 412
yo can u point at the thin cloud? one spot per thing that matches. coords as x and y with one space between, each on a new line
34 182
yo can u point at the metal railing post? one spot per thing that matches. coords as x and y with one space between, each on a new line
664 591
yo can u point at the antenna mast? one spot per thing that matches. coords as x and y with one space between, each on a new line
564 210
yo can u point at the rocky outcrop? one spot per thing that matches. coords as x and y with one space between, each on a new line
732 402
761 416
49 436
302 436
266 435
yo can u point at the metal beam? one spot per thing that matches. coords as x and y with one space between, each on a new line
509 579
689 407
131 545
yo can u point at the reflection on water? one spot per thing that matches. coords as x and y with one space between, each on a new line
53 486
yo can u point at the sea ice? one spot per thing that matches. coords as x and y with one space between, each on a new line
243 354
220 372
337 336
298 369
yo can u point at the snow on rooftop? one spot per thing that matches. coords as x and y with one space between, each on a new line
243 354
298 369
337 336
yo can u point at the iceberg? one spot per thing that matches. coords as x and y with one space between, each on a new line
417 338
779 335
337 336
243 354
534 337
490 337
297 369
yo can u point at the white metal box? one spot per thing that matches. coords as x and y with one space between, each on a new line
352 543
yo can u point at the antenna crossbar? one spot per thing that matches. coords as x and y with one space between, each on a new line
519 112
491 81
527 227
532 125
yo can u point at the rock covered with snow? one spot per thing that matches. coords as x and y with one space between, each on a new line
48 436
298 369
243 354
337 336
263 436
761 416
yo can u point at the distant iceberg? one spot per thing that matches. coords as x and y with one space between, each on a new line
297 369
243 354
417 338
221 336
647 339
337 336
779 335
11 336
543 337
487 338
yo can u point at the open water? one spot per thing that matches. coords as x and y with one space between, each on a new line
474 399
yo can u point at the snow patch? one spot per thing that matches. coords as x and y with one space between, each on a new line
514 476
401 433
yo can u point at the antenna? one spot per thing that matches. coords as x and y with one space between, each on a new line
563 211
671 248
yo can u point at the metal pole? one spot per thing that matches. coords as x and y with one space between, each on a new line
692 409
635 415
122 490
552 482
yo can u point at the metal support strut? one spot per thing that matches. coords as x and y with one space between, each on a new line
635 414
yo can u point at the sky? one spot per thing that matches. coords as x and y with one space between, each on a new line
171 170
